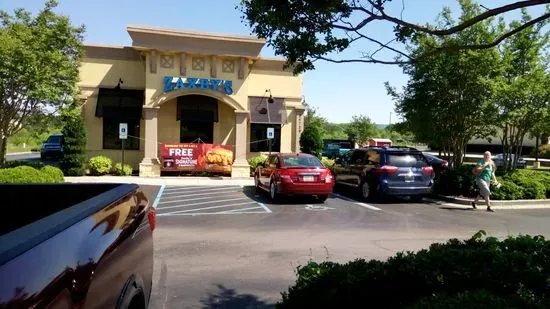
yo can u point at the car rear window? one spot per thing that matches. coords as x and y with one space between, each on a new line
56 139
407 159
301 161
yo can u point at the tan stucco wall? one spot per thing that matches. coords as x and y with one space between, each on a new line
168 126
282 84
106 72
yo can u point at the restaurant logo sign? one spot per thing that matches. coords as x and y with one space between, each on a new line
174 83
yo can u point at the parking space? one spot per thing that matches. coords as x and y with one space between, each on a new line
207 200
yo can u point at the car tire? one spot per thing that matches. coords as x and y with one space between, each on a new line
366 191
322 198
273 192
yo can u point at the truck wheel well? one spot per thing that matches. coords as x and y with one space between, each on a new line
138 301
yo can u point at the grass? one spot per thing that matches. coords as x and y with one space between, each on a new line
19 148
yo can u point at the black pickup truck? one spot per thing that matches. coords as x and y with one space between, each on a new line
75 246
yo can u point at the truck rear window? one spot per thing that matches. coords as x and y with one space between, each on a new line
407 159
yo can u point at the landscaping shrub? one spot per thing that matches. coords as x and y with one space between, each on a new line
55 173
512 273
508 191
100 165
74 143
527 179
126 171
456 182
311 140
254 161
544 152
33 164
327 162
25 174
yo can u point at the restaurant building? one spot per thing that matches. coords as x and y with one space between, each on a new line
177 93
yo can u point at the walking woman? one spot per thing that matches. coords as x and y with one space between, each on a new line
485 173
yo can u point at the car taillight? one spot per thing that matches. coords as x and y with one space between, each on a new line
386 169
328 178
288 176
152 218
427 170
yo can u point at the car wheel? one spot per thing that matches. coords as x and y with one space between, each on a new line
322 198
273 194
366 190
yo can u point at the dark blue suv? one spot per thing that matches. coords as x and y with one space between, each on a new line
381 171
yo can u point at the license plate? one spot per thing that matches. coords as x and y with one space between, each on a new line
308 178
409 178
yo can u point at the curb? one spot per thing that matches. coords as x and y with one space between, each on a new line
20 153
517 204
166 181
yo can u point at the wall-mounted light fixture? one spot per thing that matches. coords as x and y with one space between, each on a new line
120 81
270 100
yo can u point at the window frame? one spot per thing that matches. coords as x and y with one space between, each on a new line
134 125
255 146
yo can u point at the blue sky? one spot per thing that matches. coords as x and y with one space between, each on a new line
339 91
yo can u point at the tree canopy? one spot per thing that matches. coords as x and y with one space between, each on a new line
40 57
305 31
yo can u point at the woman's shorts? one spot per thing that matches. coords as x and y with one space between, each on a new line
484 187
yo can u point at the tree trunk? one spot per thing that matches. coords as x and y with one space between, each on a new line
537 138
3 149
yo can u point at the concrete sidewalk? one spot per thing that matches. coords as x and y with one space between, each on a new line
167 181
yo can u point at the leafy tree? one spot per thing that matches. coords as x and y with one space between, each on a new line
361 129
74 144
39 59
311 140
448 98
305 31
522 94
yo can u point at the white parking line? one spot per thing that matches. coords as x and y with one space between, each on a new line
165 201
343 197
239 210
186 188
216 191
157 199
367 206
202 203
265 207
205 208
192 214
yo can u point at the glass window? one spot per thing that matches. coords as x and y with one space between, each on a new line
373 157
110 134
407 159
191 131
258 138
54 139
301 161
358 157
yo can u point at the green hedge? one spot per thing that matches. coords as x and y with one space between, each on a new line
327 162
523 184
544 152
12 164
476 273
254 161
519 184
27 174
120 171
100 165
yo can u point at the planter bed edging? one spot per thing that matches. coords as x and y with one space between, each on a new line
466 201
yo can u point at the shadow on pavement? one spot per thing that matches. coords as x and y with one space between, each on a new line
465 208
226 298
262 197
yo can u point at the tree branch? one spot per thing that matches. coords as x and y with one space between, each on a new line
442 32
361 61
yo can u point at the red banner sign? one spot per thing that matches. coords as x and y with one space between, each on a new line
214 158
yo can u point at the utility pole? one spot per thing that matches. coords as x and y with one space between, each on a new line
390 118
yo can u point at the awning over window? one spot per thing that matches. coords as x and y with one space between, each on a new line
119 103
275 112
197 108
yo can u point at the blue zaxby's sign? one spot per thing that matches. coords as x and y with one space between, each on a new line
174 83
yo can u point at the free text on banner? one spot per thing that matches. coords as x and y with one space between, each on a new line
198 157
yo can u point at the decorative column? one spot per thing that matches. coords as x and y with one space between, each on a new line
150 165
241 168
299 126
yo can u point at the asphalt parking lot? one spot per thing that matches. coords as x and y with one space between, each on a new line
228 247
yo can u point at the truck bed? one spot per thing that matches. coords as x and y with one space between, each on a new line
36 212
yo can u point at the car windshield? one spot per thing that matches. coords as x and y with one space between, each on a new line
406 159
54 139
301 161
